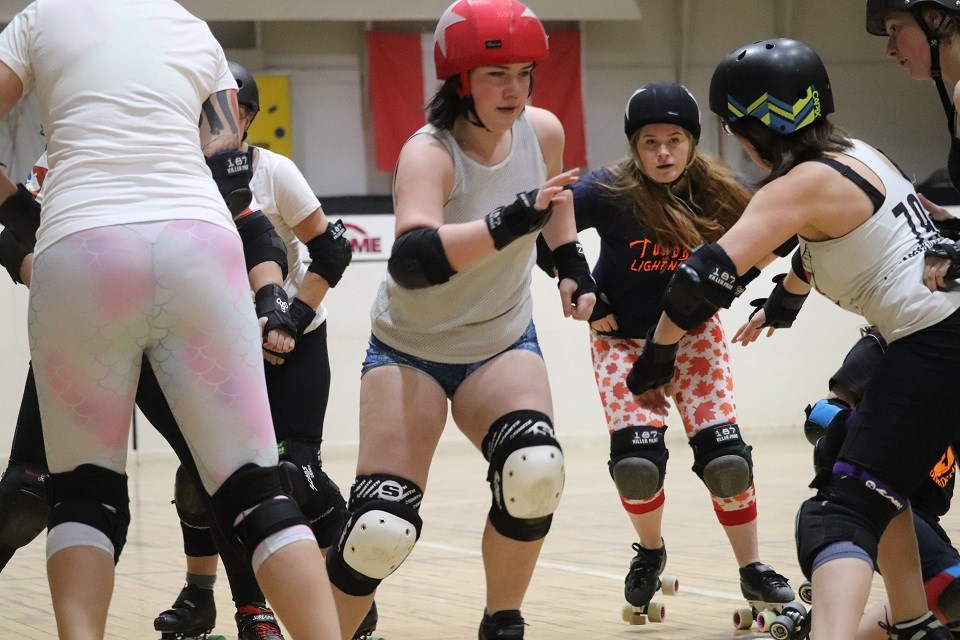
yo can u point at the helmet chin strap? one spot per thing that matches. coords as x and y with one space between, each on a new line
934 41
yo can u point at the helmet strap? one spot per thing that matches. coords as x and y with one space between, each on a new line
464 89
933 40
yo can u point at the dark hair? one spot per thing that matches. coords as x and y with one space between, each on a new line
447 105
784 152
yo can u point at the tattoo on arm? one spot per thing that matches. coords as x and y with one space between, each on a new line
219 125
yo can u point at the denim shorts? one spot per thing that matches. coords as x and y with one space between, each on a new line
448 376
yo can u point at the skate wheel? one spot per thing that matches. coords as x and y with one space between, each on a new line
806 592
656 612
743 618
631 615
670 585
782 628
765 618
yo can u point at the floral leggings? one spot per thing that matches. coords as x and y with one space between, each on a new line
702 393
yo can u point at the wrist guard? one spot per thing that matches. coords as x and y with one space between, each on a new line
517 219
601 309
655 366
781 308
946 251
272 304
571 263
301 315
232 173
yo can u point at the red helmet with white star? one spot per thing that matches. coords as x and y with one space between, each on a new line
481 33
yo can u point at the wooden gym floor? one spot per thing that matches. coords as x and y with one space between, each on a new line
438 593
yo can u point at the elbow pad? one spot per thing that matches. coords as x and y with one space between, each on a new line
12 254
703 284
20 213
232 173
261 242
330 253
418 259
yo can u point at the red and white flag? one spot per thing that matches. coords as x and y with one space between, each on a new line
403 80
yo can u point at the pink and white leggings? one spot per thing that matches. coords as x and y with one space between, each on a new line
703 395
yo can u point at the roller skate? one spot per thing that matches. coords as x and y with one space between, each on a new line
256 621
642 583
191 617
368 625
766 591
507 625
793 623
926 627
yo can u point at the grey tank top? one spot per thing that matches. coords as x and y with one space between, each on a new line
876 270
485 308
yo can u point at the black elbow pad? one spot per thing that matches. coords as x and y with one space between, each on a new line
330 253
703 284
261 242
20 213
418 260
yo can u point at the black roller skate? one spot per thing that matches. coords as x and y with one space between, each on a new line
766 591
368 625
642 583
256 622
502 624
192 615
793 623
926 627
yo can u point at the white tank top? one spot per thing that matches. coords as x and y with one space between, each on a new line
876 269
485 308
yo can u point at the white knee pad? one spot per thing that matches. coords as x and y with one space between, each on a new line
532 481
378 542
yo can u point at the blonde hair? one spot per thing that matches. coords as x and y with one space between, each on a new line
718 200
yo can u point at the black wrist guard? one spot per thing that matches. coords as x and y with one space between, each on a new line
517 219
12 254
601 309
232 173
655 366
781 308
330 253
571 263
796 265
20 213
272 304
946 251
301 314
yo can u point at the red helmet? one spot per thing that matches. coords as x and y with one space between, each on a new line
479 33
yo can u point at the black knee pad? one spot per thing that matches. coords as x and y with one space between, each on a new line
722 460
256 488
190 503
854 506
638 461
317 495
526 474
822 415
380 533
23 505
94 496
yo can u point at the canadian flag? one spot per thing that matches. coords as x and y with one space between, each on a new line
403 80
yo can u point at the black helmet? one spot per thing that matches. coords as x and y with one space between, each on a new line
780 82
662 102
877 9
248 95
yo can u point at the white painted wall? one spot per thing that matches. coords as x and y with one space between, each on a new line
774 379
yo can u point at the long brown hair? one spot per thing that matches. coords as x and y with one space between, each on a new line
718 200
783 153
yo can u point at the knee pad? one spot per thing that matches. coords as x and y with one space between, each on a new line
526 474
253 503
722 460
822 415
317 495
94 496
854 506
380 533
23 505
943 594
187 497
638 461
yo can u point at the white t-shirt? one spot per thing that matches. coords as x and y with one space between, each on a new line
283 195
121 84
